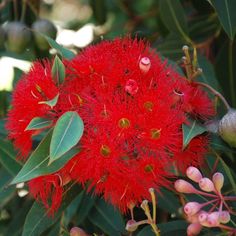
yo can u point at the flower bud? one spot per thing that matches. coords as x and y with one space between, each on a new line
194 229
191 208
131 226
144 64
224 217
183 186
218 180
206 185
227 127
131 87
75 231
213 219
202 217
194 174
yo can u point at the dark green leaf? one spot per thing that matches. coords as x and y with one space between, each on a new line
66 134
190 131
108 219
226 12
38 123
173 16
37 164
63 51
51 102
177 228
7 157
37 220
58 70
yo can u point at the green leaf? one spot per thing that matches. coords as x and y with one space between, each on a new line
38 123
66 134
226 13
58 70
37 220
190 131
51 102
177 228
107 218
64 52
173 16
7 157
37 164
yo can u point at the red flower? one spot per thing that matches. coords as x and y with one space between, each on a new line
133 106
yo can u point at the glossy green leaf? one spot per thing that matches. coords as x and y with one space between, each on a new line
66 134
226 13
8 158
190 131
37 164
52 102
37 220
108 219
177 228
64 52
38 123
58 70
173 16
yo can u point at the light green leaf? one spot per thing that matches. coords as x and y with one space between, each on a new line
190 131
38 123
173 16
8 158
66 134
52 102
37 164
226 13
37 220
64 52
58 70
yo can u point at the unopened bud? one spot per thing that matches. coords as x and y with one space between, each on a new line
75 231
131 87
194 174
183 186
191 208
218 180
206 185
202 217
185 48
213 219
131 226
227 127
144 64
224 217
194 229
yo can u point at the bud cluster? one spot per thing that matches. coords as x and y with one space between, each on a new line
212 213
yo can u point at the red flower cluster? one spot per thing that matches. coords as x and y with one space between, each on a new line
133 105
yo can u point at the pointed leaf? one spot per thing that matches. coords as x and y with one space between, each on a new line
38 123
52 102
226 13
190 131
58 70
64 52
107 218
173 16
66 134
37 220
37 164
8 158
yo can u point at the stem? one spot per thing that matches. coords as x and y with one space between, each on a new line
206 194
15 10
230 198
231 76
23 10
152 192
216 93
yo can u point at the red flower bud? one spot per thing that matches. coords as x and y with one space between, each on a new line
206 185
218 180
183 186
191 208
194 229
224 217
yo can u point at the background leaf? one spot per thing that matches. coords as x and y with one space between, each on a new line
58 70
38 123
